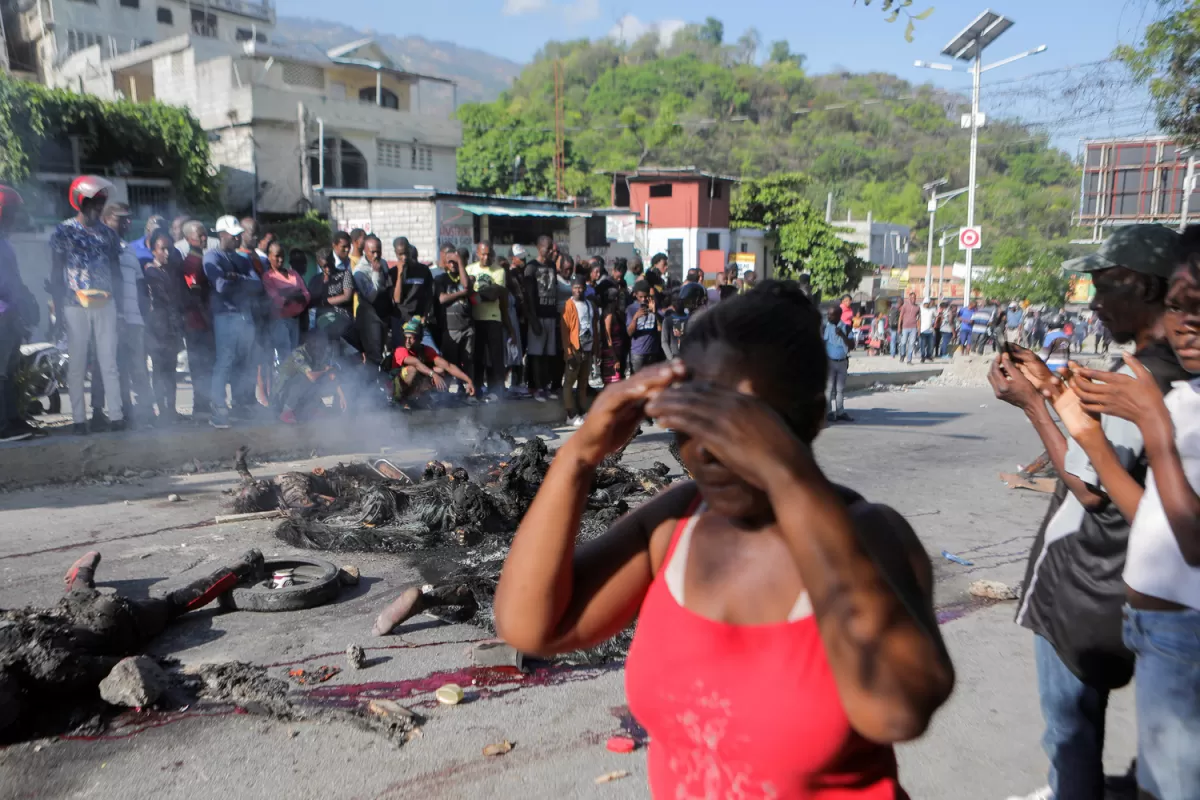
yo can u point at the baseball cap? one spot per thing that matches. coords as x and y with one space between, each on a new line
519 251
116 210
228 224
579 280
1148 249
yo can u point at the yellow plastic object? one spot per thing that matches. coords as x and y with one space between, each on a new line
450 695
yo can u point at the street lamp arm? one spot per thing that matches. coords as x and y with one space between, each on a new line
941 67
1011 59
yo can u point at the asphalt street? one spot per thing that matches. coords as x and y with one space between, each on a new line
933 453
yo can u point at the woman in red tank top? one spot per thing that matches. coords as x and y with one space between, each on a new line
786 636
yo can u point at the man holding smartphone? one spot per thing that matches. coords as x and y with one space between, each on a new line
645 328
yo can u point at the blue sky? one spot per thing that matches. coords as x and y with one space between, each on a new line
833 34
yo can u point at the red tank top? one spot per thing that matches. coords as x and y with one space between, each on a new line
744 711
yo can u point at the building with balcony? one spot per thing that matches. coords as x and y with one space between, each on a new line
40 35
285 123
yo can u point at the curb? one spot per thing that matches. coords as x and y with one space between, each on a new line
61 458
857 381
64 458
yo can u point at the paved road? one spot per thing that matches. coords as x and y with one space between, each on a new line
932 453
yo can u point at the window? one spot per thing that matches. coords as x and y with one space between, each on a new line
387 97
422 158
243 34
261 38
392 154
661 190
352 166
131 3
81 40
203 23
595 231
303 75
714 241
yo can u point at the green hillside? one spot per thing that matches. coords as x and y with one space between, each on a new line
699 101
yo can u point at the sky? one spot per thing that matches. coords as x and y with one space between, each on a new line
833 34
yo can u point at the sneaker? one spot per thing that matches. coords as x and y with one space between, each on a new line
14 434
288 417
80 429
491 397
472 400
539 396
844 417
577 422
99 423
1043 793
830 418
117 426
552 395
218 421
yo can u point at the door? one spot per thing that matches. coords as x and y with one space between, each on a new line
675 259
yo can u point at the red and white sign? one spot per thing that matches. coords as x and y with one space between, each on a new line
970 238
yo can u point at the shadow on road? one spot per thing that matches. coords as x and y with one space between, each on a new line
895 418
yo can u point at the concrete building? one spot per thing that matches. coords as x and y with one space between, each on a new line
1135 180
42 34
884 244
266 108
430 218
683 211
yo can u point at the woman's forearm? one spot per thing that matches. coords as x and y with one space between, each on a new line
538 577
1056 447
1118 484
890 665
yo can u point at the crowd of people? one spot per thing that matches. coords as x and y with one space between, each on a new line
264 339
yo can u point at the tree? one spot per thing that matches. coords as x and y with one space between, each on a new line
805 243
747 46
712 32
781 53
1024 270
1168 61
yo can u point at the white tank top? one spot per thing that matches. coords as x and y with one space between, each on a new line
1155 565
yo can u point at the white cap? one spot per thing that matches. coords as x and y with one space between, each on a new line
519 251
228 224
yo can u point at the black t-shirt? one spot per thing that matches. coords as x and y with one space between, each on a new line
455 316
416 295
541 282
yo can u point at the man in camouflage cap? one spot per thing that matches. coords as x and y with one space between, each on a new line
1073 592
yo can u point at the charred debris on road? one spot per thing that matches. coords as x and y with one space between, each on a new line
459 515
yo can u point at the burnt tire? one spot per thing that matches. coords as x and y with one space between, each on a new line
316 583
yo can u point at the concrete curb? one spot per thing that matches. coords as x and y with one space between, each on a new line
857 381
59 458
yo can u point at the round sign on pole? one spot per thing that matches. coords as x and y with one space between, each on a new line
970 238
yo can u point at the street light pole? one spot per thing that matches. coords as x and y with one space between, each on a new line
942 269
969 46
977 71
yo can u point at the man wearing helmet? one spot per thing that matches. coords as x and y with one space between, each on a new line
85 274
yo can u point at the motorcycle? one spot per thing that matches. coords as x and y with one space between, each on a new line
41 377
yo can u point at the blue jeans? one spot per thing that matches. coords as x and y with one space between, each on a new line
285 337
1167 646
908 343
927 345
1074 717
894 336
945 348
234 338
